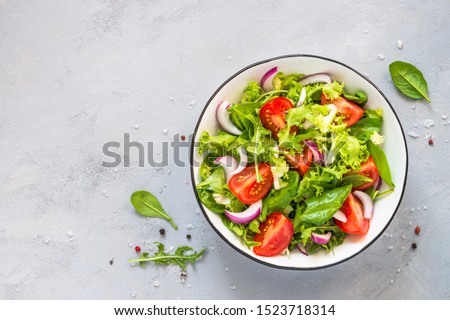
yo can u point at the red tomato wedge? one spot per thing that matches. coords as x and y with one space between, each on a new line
273 114
350 110
368 169
245 186
301 161
354 211
275 235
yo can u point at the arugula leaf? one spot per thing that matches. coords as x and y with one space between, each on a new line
381 162
321 209
179 257
148 205
409 80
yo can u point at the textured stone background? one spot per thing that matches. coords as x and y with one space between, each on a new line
77 74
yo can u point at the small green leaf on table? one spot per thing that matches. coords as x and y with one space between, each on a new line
148 205
409 80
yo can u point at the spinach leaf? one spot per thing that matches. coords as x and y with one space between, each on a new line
179 257
409 80
322 208
148 205
358 97
364 128
280 199
381 162
355 180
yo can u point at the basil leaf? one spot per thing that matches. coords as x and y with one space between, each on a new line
322 208
409 80
148 205
381 162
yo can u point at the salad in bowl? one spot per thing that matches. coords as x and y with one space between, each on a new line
292 162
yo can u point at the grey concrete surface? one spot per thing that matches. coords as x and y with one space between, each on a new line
75 75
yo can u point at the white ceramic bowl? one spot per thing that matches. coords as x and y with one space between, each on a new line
394 147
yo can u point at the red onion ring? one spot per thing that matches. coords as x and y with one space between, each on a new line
266 80
247 215
315 78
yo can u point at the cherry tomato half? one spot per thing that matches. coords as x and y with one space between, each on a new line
275 235
301 161
273 114
350 110
245 186
370 170
354 211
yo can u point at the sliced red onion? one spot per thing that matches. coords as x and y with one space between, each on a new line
276 183
243 162
302 97
224 118
378 184
302 249
307 125
276 179
339 215
366 201
229 164
317 155
276 148
221 198
331 114
321 238
266 80
315 78
246 216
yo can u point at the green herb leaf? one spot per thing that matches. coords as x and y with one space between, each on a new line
409 80
280 199
321 209
381 162
148 205
179 257
358 97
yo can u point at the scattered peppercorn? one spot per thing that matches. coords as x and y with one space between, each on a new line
111 262
162 232
414 246
430 142
417 230
189 237
137 248
183 137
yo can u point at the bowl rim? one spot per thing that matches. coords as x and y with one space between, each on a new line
192 148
